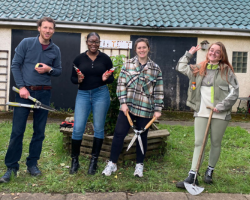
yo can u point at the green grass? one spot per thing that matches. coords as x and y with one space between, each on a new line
232 174
188 116
170 115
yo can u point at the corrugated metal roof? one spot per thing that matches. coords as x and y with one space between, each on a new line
163 14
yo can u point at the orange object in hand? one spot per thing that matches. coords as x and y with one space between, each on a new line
193 85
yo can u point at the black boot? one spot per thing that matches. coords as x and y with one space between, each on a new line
97 145
6 177
76 144
208 175
189 179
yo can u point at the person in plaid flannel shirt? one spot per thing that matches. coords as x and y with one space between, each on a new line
140 92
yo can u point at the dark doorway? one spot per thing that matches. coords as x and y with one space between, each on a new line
166 51
63 91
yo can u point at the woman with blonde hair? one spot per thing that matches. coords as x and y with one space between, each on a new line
211 83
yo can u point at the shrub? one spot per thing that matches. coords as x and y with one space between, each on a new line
114 104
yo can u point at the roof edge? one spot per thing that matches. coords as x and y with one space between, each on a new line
127 28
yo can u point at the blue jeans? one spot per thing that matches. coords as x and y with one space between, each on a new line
97 101
20 117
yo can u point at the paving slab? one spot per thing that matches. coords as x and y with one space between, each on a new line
34 196
97 196
191 123
158 196
247 197
216 196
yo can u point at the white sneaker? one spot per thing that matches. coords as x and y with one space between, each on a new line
139 170
110 167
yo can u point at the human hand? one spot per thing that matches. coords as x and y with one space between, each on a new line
125 109
80 76
24 93
41 70
157 115
215 110
193 49
106 75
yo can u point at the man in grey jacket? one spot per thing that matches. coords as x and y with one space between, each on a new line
36 82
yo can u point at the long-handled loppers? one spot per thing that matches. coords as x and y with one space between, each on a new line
138 132
37 104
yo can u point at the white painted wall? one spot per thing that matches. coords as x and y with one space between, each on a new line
232 43
106 36
5 44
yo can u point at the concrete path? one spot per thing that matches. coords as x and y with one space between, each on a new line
190 123
125 196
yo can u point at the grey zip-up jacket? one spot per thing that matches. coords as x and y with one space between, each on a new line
225 93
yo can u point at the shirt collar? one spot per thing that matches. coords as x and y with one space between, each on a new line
211 66
96 56
137 63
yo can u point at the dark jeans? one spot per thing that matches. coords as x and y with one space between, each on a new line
121 130
20 117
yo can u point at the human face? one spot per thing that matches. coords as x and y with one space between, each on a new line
142 50
214 54
93 43
46 31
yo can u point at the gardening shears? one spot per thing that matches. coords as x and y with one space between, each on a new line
37 104
138 132
77 70
111 70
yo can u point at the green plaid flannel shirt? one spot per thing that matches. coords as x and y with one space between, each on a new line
141 90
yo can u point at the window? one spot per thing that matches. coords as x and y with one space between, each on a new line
240 62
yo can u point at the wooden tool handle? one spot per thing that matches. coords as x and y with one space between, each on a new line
129 119
149 123
205 138
210 107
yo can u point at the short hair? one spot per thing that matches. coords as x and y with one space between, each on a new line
45 19
93 34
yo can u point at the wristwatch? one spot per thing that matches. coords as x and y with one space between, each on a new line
50 71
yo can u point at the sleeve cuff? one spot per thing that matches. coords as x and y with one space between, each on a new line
158 109
189 55
122 101
19 86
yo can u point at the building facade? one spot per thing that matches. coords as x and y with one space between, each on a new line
172 27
